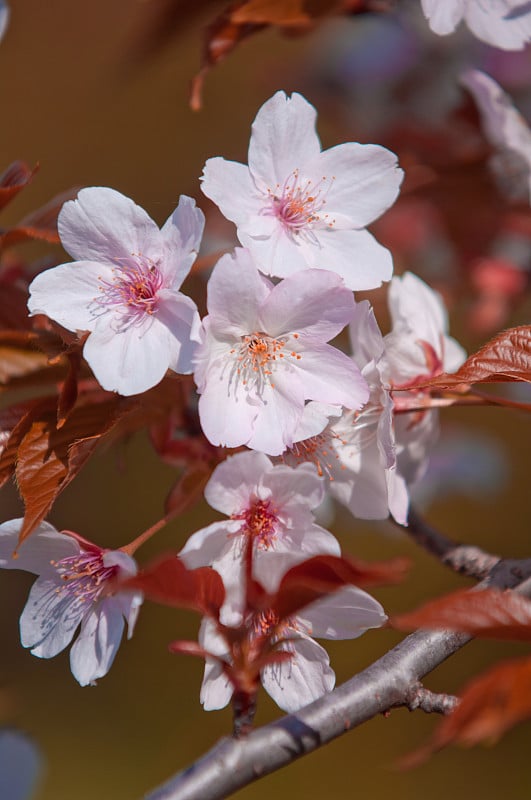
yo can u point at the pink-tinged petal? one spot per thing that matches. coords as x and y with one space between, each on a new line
95 648
209 545
290 548
355 256
278 416
69 294
506 24
314 420
216 689
366 339
226 411
131 360
414 442
51 617
329 376
234 481
117 558
230 186
364 181
445 16
454 355
414 306
301 485
36 553
301 680
362 485
181 239
346 614
179 314
104 225
314 302
235 292
283 139
398 496
281 253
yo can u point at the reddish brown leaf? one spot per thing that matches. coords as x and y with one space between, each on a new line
188 490
489 705
15 423
170 582
322 575
189 648
486 613
507 357
13 180
271 12
68 394
40 224
49 458
13 306
18 356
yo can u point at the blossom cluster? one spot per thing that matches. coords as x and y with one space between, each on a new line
310 419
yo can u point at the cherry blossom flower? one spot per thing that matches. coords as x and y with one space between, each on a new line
507 132
71 591
264 352
123 287
271 505
417 348
297 207
356 451
502 23
307 675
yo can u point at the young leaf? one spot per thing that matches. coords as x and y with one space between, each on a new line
13 180
486 613
169 582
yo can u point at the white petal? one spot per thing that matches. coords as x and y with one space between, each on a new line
315 302
234 481
51 616
283 139
235 293
346 614
329 376
69 294
443 15
278 416
216 689
301 680
301 486
94 650
179 314
281 253
104 225
209 545
365 180
230 186
314 420
505 23
36 553
181 239
366 339
356 256
226 414
130 360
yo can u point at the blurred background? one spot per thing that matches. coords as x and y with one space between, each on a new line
93 95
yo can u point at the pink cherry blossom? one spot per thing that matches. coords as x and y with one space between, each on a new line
355 451
502 23
297 207
264 353
270 504
506 130
123 287
72 590
307 675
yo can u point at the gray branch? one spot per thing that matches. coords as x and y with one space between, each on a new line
390 682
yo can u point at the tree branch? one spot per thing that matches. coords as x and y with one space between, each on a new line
465 559
390 682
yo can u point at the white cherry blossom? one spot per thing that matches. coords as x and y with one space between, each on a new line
124 286
297 207
506 130
502 23
307 675
269 505
71 591
264 352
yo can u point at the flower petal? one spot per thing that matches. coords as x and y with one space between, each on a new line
301 680
235 293
36 553
51 617
355 256
179 314
104 225
230 186
346 614
443 17
329 376
181 238
234 481
94 650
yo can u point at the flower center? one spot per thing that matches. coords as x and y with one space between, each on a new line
260 522
257 357
299 206
84 576
133 290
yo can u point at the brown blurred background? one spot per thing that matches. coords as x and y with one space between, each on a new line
76 99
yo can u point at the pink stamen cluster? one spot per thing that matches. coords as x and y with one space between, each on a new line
260 523
133 290
299 206
257 355
84 576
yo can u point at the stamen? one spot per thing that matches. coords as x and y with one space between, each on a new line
132 293
299 206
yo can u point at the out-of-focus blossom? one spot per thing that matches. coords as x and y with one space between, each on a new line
264 352
124 286
507 132
307 675
270 509
297 207
356 452
502 23
20 765
72 590
4 17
